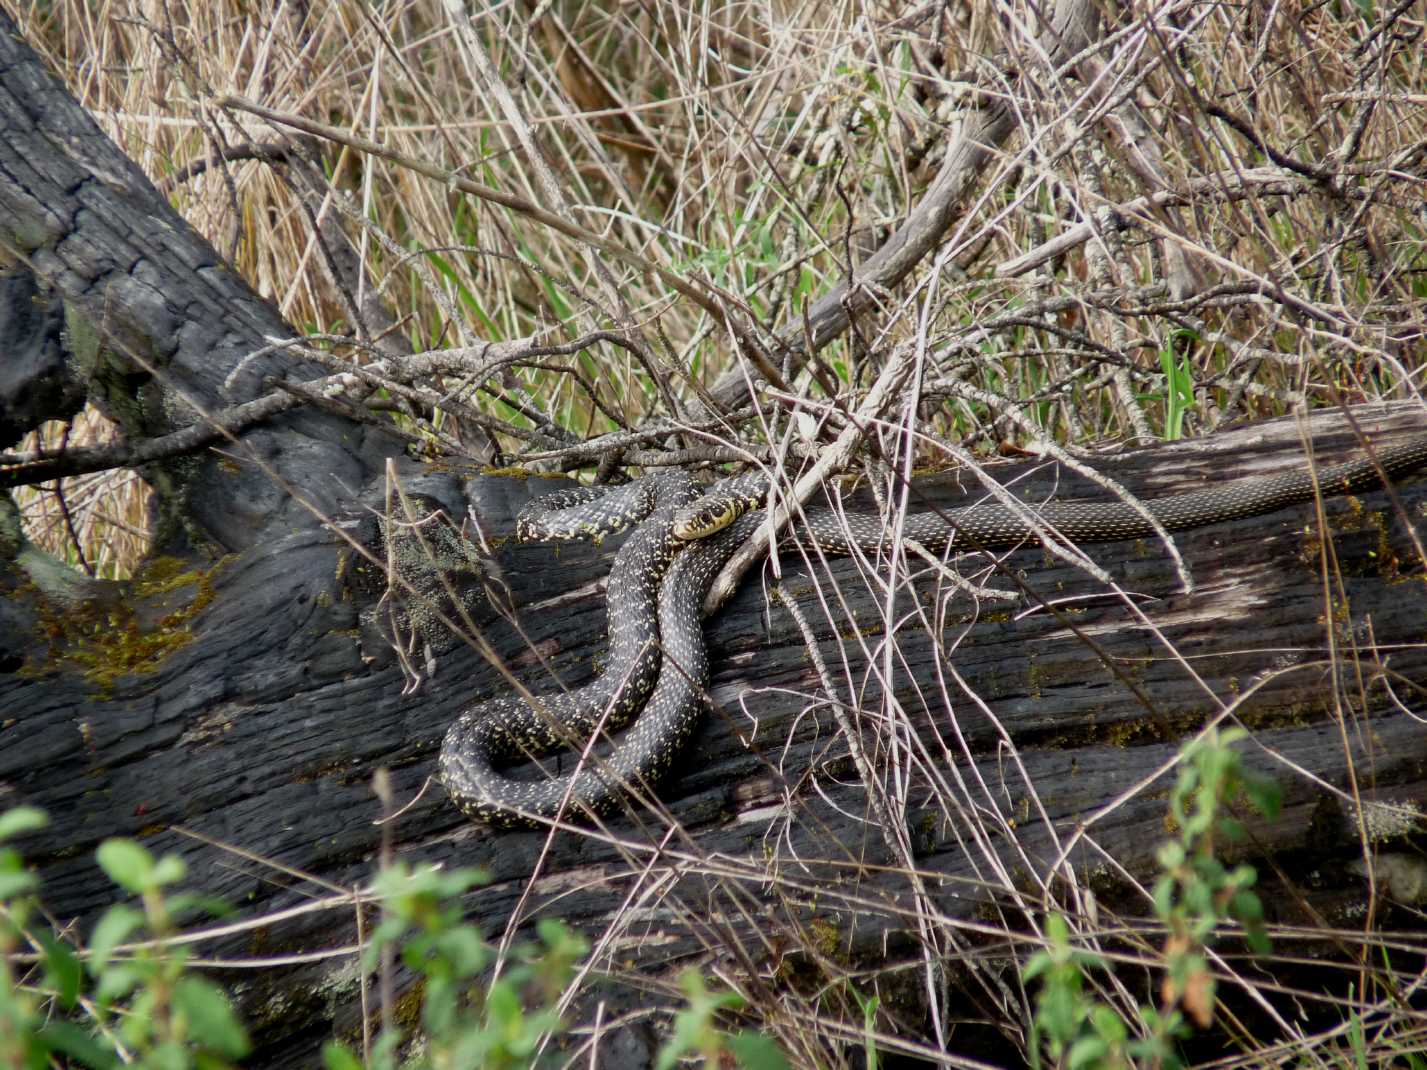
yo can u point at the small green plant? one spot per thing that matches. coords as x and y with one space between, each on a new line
162 1013
696 1032
1076 1030
464 1023
1195 895
26 1039
868 1005
146 1008
144 1005
1178 382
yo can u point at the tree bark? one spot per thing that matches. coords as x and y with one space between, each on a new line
223 699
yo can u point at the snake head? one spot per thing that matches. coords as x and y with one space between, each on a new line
702 519
721 506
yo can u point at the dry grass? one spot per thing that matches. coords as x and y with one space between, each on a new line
97 523
763 147
759 147
732 142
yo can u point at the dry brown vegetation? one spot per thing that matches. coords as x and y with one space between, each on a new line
762 147
759 151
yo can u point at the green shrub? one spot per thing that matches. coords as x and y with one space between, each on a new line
1194 897
132 998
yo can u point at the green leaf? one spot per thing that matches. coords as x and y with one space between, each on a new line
128 865
869 1028
561 939
1057 931
441 1006
117 982
20 820
62 1036
684 1040
756 1051
137 1027
1258 940
62 969
1170 854
387 932
1265 794
1109 1025
18 883
503 1010
464 949
1244 876
1058 1012
211 1020
1038 964
402 880
692 1026
170 868
1198 824
522 1043
336 1057
1087 1051
168 1056
460 881
704 1002
117 924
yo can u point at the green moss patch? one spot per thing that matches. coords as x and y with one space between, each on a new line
106 640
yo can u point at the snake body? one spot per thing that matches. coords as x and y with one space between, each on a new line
995 527
656 591
507 729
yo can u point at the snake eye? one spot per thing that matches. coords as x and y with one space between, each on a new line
702 522
711 515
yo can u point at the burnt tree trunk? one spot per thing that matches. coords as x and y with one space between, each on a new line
224 696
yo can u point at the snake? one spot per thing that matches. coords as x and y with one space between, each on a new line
659 579
508 728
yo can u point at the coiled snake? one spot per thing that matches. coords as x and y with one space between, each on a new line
656 591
